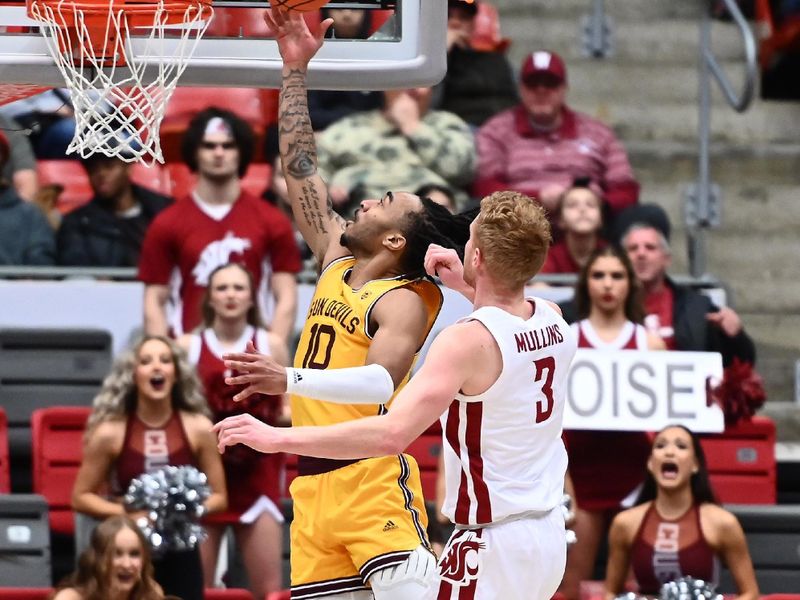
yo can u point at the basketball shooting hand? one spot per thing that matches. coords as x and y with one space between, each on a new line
297 44
245 429
260 373
444 263
727 320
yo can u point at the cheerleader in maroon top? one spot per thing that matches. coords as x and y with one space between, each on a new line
149 413
230 321
606 467
677 529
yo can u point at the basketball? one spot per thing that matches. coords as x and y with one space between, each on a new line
299 5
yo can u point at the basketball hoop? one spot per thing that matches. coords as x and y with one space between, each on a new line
119 96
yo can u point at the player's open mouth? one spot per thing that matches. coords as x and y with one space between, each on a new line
669 470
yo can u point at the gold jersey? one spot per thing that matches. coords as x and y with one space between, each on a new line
337 335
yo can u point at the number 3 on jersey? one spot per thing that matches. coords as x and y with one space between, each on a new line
545 367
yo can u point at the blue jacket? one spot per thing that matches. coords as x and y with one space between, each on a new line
26 237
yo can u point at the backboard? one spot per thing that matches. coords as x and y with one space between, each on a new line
407 50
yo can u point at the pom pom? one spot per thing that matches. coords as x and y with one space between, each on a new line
740 393
688 588
173 498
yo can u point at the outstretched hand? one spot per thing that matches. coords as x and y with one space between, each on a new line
444 263
246 429
727 320
297 44
261 374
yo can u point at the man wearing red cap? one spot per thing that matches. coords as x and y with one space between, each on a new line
540 146
26 237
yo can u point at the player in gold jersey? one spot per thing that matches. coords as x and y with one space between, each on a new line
359 525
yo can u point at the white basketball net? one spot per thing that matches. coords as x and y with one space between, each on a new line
119 108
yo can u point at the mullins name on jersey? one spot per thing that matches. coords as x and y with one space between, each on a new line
537 339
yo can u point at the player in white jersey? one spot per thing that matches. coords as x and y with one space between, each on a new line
497 378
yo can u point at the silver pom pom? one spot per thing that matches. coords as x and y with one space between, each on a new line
173 498
689 588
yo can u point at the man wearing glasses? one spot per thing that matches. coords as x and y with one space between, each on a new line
217 223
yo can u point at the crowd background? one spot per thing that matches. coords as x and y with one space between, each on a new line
593 139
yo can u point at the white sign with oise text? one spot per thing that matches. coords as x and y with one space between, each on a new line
627 390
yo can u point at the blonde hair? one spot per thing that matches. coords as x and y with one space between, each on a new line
513 234
118 395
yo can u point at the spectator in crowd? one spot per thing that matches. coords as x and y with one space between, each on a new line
540 146
480 81
108 231
684 319
115 566
400 147
230 320
49 119
441 194
19 167
328 106
149 413
26 237
579 216
606 467
677 497
217 223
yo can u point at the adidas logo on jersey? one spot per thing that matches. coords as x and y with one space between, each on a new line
389 526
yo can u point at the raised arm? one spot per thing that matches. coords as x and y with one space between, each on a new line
455 354
311 204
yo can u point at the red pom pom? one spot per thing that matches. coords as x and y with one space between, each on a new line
740 393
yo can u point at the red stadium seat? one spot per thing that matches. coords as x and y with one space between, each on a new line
56 434
70 175
282 595
154 177
741 462
5 480
425 450
25 593
182 180
227 594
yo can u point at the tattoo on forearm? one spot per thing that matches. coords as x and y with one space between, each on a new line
299 154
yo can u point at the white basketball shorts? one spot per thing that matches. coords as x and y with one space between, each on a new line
521 559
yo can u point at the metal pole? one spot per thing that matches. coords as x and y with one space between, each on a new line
598 29
697 231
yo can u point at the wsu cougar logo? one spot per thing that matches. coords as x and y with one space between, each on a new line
461 563
216 254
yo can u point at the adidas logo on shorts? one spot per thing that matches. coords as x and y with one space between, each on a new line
389 526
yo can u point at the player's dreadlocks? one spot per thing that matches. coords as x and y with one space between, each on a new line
434 224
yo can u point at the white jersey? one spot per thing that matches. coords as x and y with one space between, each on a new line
503 451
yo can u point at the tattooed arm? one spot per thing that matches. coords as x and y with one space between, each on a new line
311 203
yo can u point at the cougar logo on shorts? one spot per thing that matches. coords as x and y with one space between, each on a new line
461 563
